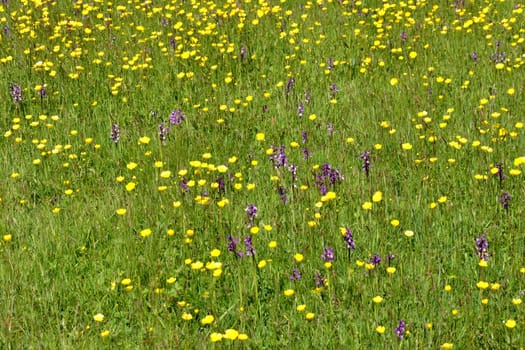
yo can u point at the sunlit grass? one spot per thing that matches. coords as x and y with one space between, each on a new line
262 175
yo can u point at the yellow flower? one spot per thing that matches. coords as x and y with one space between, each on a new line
510 324
448 288
121 211
516 301
130 186
242 336
186 316
394 222
7 238
301 307
393 81
367 206
447 346
131 165
171 280
377 299
380 329
272 244
126 281
260 136
207 320
309 316
298 257
289 292
165 174
406 146
98 317
104 334
261 264
144 140
409 233
482 285
231 334
145 233
215 253
391 270
377 197
215 337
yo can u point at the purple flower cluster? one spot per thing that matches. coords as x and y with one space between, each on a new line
500 173
251 212
365 156
163 133
504 199
400 329
327 177
328 254
319 280
233 246
114 134
349 239
296 275
177 117
289 85
16 92
375 260
482 247
278 157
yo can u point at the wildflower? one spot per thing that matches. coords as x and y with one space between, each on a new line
231 334
208 319
380 329
104 334
215 337
330 128
289 292
163 133
482 247
504 200
176 117
400 330
375 260
281 190
278 157
328 254
319 280
7 238
115 133
298 257
377 299
365 156
348 238
377 197
499 172
447 346
409 233
300 109
232 246
327 177
16 92
251 211
250 251
98 317
333 90
296 275
510 324
289 85
309 316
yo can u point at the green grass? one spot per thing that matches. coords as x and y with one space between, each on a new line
434 92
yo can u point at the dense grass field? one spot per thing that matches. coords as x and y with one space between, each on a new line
262 174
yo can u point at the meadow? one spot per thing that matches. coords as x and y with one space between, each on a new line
262 174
